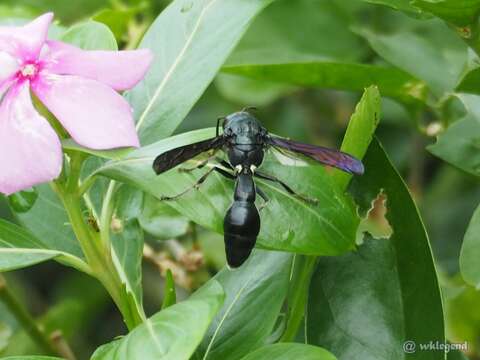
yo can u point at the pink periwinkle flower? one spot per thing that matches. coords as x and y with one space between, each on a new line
77 86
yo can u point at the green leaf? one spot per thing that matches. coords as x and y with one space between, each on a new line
459 145
469 264
289 351
161 220
190 42
442 53
127 242
391 81
117 20
388 287
288 223
19 248
254 296
90 35
171 334
169 294
69 144
456 355
402 5
456 12
361 129
48 220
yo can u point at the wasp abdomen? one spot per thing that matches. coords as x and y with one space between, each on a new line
242 222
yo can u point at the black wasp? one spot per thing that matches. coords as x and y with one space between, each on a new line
245 141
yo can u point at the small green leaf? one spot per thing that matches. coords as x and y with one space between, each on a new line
161 220
254 293
391 81
182 39
388 287
456 12
289 351
288 223
171 334
31 357
19 249
169 294
23 201
469 263
90 35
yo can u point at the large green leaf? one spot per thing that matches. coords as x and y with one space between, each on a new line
459 145
190 40
90 35
19 248
366 304
469 264
456 12
338 75
254 295
289 351
171 334
289 224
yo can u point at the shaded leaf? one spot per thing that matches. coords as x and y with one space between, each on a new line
442 53
23 201
288 351
168 335
377 290
19 248
190 41
254 295
288 223
53 230
403 5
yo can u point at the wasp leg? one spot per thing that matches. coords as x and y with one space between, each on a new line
286 187
264 196
199 182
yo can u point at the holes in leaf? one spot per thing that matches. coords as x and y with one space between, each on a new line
375 221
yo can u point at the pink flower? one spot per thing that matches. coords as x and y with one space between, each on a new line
77 86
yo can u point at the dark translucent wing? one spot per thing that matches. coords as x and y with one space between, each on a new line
321 154
172 158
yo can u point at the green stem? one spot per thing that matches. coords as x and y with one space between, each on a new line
25 319
97 250
299 288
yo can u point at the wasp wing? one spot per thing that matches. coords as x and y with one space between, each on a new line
321 154
174 157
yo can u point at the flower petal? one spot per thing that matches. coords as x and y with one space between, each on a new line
25 42
95 115
8 67
120 70
30 151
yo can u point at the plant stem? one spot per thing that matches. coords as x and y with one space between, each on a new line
25 319
97 250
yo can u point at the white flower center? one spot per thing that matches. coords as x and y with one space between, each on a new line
29 70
